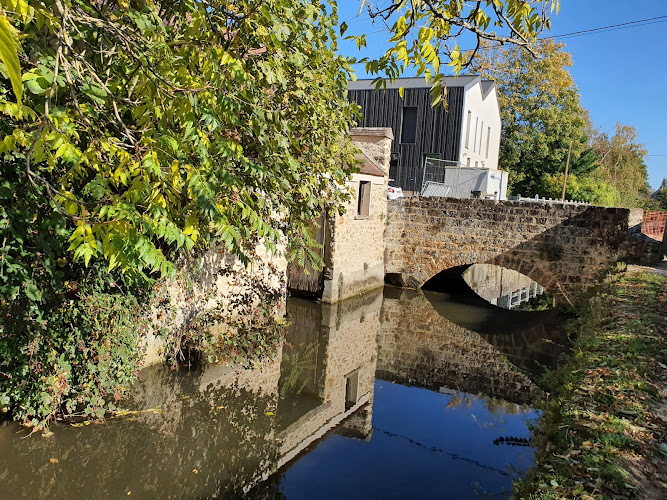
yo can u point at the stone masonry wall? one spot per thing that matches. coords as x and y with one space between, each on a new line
560 246
357 249
355 260
214 280
430 351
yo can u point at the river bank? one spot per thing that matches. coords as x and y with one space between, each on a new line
603 432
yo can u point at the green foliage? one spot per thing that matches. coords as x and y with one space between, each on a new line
621 164
147 130
9 55
425 34
541 114
585 188
79 361
601 417
660 195
212 119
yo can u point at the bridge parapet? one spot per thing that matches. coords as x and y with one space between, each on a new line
561 246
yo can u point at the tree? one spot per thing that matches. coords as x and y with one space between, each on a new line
540 111
661 195
146 128
425 34
621 164
152 126
585 188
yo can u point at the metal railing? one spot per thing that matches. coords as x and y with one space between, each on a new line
442 178
537 199
653 224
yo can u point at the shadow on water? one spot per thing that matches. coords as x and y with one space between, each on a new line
377 396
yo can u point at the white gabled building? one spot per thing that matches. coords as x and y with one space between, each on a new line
464 135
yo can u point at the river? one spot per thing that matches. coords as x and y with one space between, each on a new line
392 394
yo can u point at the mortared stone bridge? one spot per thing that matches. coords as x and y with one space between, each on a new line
562 246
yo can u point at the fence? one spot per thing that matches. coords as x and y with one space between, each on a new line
546 200
446 178
653 224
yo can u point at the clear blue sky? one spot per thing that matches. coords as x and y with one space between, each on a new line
621 73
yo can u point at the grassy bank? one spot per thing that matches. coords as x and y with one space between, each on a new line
602 434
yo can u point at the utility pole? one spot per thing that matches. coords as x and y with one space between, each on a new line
567 167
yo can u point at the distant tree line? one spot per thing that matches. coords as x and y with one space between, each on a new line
542 116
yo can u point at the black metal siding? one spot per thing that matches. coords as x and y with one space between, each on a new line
438 131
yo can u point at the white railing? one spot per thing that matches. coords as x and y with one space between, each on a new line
537 199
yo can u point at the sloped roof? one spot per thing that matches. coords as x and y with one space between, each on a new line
369 167
487 86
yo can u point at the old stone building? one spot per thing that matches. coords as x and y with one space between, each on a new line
353 243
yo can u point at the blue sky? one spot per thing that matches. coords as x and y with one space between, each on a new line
621 74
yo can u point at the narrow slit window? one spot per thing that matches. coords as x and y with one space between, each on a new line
409 128
364 199
351 389
468 130
488 138
474 144
481 135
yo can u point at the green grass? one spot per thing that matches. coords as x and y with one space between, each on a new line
598 436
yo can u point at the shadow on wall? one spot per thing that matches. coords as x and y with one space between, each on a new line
562 247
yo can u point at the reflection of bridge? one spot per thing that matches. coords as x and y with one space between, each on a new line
561 246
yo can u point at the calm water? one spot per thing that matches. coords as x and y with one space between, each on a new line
389 395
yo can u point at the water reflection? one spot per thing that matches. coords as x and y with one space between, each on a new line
506 288
381 386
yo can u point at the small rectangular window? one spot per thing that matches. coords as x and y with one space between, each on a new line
409 128
364 199
468 130
488 137
351 389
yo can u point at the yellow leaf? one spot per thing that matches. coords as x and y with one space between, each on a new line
9 55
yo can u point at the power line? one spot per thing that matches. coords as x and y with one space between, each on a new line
611 27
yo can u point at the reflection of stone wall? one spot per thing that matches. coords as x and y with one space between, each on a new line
560 246
210 432
351 327
418 346
215 280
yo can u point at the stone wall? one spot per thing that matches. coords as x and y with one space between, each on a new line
560 246
351 327
216 280
354 256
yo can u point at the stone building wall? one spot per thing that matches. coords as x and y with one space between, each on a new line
215 280
354 258
430 351
561 246
351 327
356 262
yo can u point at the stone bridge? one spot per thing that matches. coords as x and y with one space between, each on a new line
563 247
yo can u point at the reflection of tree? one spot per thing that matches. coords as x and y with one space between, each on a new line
195 445
295 362
537 303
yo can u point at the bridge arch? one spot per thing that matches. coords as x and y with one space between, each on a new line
563 247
